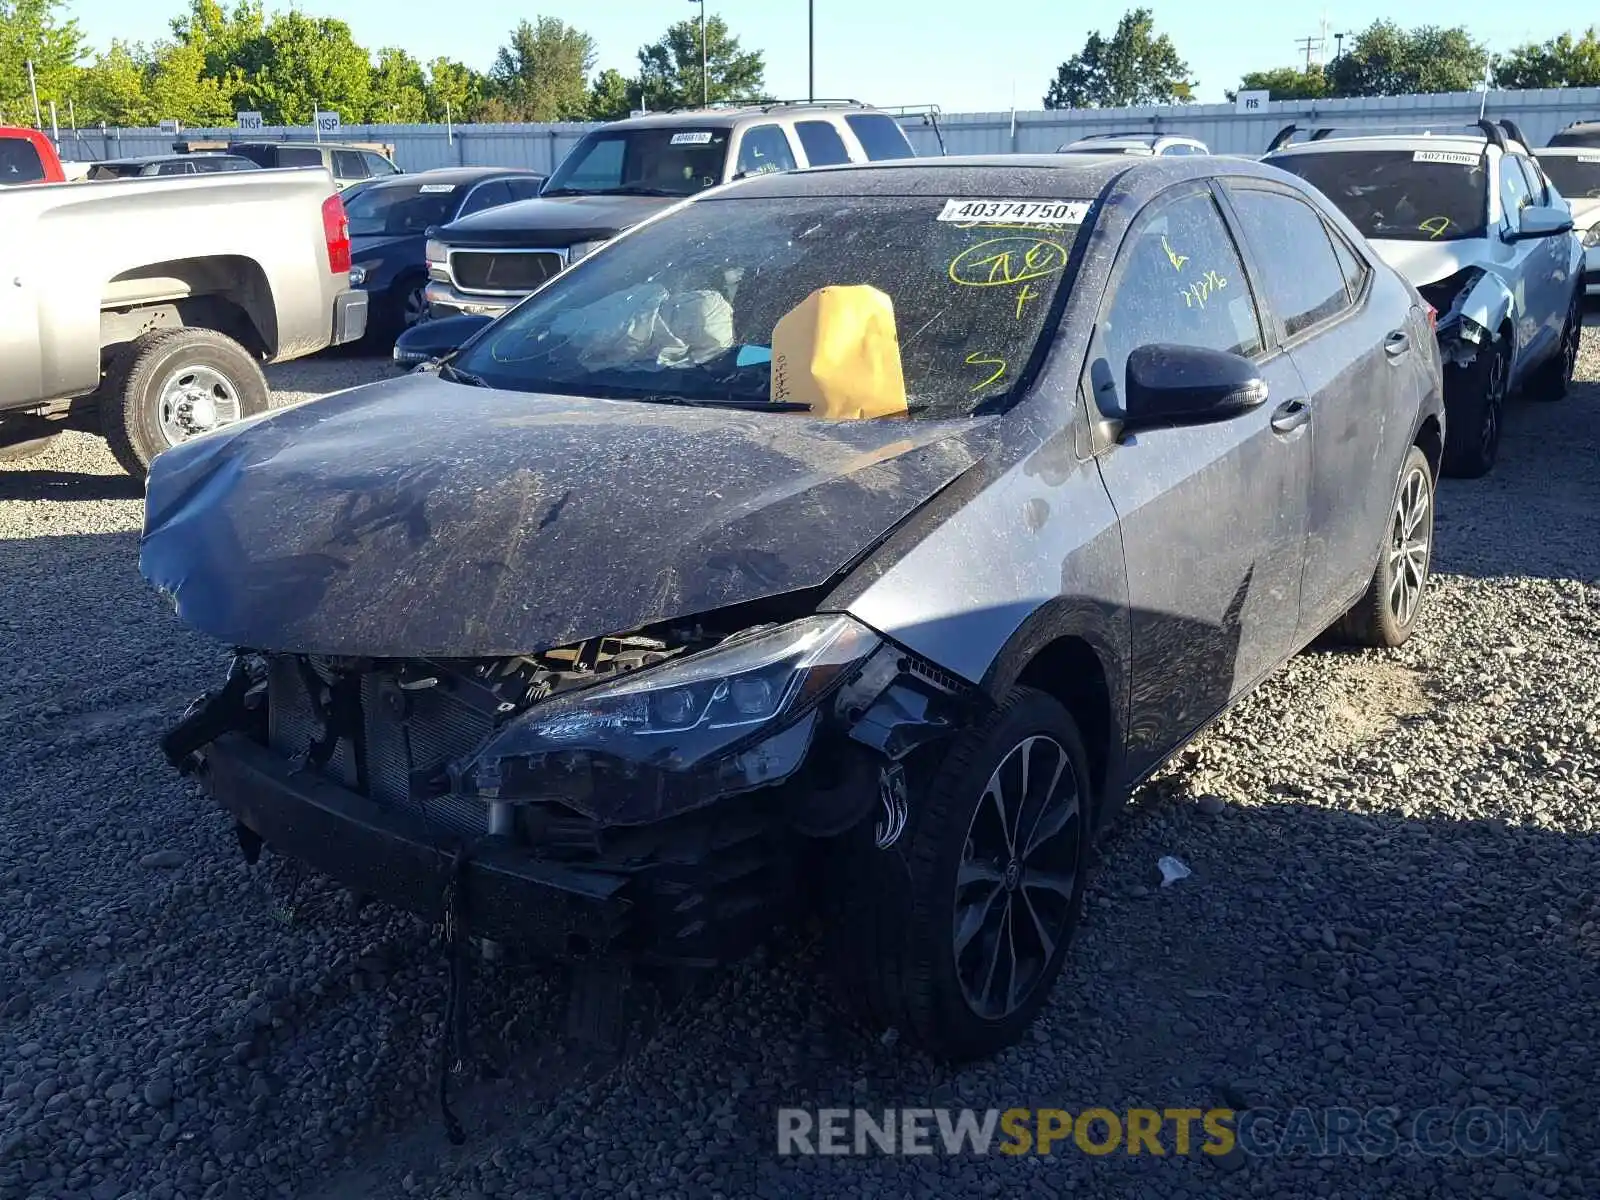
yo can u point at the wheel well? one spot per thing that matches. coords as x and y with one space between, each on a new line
1431 443
226 292
1069 670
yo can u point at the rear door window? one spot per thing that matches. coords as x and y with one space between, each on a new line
764 149
347 165
822 143
299 156
1355 271
19 162
175 168
486 195
880 136
1299 271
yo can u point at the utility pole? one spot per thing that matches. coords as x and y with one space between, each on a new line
811 49
33 86
1307 44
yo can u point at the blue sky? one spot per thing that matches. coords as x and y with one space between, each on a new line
893 51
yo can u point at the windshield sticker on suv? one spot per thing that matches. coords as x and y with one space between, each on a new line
1589 158
1015 212
1458 157
700 137
431 188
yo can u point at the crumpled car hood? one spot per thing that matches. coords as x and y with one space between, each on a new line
1428 262
419 517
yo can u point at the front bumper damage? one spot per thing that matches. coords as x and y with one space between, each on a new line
376 803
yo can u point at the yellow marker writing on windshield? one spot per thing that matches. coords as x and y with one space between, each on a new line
1435 226
1023 296
1177 260
979 359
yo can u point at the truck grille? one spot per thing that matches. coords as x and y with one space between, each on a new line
398 750
504 271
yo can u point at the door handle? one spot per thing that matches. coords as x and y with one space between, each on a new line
1397 343
1290 415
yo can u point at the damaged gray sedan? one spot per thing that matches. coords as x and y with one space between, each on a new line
848 541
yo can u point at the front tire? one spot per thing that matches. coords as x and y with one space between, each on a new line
174 384
959 929
1386 614
1475 401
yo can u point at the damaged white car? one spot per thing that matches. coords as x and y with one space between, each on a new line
1474 224
1575 173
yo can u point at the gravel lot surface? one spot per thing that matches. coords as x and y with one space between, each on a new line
1393 902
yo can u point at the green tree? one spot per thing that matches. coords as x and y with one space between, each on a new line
1386 60
177 88
300 64
612 96
1563 61
669 69
36 31
399 89
541 73
223 36
1133 66
1285 83
112 88
455 91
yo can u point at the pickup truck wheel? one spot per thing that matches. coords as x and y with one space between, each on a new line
955 933
175 384
1475 401
1387 612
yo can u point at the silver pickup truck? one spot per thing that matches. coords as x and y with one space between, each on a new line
144 308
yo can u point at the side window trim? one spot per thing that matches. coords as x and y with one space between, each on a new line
1281 334
1335 235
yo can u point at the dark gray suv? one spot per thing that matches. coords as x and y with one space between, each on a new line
852 539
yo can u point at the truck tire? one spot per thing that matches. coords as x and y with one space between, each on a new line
1386 614
1475 402
915 924
173 384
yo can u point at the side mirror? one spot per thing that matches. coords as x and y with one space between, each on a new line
428 341
1540 223
1188 385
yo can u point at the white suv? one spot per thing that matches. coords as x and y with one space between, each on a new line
1473 223
1575 172
1135 143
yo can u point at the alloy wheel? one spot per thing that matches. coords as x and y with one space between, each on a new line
196 400
1410 545
1017 882
1493 403
1572 340
415 309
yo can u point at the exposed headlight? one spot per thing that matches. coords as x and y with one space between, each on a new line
1591 237
437 256
675 737
581 250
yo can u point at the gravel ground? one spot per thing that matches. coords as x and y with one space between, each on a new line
1393 902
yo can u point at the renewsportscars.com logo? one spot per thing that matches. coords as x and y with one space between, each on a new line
1258 1132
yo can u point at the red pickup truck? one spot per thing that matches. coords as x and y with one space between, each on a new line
26 156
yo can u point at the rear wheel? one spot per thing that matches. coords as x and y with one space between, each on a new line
1386 614
959 929
1555 377
175 384
1475 401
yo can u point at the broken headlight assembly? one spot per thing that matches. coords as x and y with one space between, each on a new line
738 716
1591 237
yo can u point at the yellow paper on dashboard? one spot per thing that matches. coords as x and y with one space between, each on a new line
838 352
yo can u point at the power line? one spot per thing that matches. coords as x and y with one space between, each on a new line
1308 44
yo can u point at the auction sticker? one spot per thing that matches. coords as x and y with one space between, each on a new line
1016 212
433 188
1459 158
1589 158
699 137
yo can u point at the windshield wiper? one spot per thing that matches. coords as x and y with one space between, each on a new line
454 374
638 189
749 405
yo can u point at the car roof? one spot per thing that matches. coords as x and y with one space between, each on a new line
306 143
729 116
455 175
998 176
1566 151
1388 141
145 160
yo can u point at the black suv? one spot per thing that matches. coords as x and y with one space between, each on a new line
347 163
629 170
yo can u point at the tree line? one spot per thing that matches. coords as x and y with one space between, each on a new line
287 65
1135 66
